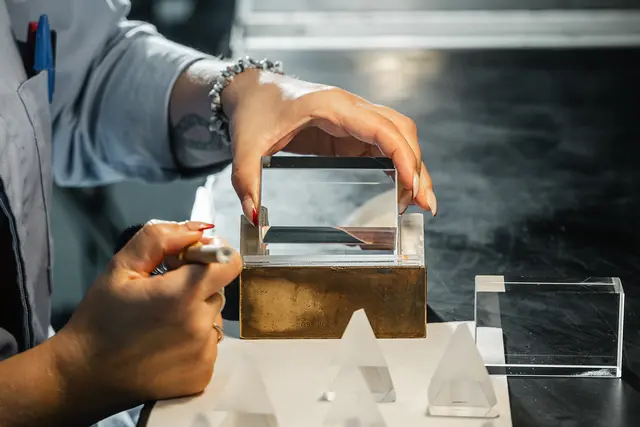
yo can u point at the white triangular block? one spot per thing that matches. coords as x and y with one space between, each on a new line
245 398
353 405
358 345
461 385
359 348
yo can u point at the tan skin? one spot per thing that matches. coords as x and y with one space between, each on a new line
136 338
271 113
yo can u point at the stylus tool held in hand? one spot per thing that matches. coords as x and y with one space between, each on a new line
206 253
199 253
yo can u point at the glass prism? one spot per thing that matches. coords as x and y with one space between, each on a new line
550 327
291 183
461 385
359 349
353 405
245 398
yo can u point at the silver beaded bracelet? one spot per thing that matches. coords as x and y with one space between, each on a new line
219 122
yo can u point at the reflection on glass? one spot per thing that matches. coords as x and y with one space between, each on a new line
292 187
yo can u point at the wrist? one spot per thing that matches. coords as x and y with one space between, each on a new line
48 385
241 84
80 379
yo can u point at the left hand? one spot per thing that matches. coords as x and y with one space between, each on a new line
271 113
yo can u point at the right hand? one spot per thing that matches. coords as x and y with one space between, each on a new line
139 337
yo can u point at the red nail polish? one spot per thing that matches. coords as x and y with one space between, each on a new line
255 217
206 227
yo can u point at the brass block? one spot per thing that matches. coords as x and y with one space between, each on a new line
317 302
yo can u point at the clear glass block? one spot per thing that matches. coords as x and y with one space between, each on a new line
550 327
295 224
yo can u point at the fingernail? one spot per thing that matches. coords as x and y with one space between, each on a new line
433 202
402 207
416 185
403 203
199 226
250 211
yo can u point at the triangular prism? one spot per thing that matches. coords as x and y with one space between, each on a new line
461 385
245 397
359 349
353 405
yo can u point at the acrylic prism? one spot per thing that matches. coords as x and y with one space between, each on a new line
461 385
550 327
245 399
353 405
343 184
359 350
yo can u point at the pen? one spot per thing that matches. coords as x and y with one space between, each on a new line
43 58
206 254
31 48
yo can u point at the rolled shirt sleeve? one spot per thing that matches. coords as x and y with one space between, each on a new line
114 79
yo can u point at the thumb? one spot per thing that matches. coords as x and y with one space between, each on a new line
156 240
245 177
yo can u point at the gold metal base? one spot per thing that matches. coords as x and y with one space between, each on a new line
297 302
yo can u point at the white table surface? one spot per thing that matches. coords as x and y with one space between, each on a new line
297 372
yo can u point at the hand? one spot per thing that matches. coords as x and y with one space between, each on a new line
139 337
271 113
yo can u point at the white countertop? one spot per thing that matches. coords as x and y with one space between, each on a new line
297 372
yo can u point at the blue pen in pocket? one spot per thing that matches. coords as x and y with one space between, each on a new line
44 52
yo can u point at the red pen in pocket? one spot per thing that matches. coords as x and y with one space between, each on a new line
31 48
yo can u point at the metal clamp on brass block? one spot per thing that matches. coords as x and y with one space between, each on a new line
305 273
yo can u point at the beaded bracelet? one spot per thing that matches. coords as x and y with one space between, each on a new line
219 122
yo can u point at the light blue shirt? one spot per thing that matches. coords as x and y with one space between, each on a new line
109 121
113 82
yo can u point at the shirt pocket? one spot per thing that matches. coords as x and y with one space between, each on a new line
34 94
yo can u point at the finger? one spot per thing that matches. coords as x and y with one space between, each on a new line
216 303
427 198
156 240
245 178
406 126
216 338
366 124
202 281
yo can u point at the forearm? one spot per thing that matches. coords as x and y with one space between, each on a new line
190 106
45 386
